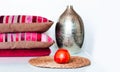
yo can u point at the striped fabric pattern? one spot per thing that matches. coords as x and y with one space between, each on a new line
22 19
13 37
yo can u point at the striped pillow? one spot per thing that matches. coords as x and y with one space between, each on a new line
25 40
24 23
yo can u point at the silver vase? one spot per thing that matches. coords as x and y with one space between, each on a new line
69 31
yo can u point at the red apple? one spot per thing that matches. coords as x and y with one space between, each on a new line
62 56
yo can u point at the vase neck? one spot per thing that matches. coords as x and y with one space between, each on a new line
69 8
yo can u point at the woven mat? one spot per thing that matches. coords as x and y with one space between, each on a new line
48 62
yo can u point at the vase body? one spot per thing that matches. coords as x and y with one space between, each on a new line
69 31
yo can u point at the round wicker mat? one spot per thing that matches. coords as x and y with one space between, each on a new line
48 62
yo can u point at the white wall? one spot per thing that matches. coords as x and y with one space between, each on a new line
107 35
101 20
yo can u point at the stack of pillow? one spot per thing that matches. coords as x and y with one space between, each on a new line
23 35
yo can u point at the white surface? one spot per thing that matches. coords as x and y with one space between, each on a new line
102 26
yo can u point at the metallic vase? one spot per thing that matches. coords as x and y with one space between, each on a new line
69 31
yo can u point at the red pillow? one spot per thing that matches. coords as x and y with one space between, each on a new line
24 52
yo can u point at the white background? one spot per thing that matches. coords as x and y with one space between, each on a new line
101 21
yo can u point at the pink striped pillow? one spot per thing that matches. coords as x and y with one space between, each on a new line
25 40
24 23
